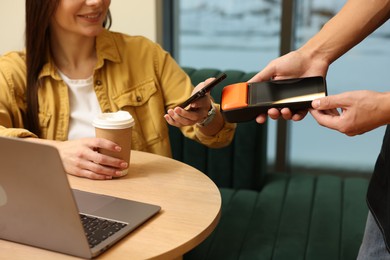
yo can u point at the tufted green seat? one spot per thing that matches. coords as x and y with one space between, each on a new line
272 216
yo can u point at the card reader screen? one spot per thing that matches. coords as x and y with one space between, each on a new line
286 91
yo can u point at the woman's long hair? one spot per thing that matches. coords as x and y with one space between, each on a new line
38 17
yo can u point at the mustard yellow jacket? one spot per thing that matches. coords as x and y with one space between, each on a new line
132 74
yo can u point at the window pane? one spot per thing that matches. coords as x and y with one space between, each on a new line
228 34
245 35
364 67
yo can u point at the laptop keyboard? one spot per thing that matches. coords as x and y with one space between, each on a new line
98 229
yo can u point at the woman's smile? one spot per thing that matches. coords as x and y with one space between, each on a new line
91 17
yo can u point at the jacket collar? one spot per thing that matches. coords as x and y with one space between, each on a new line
106 50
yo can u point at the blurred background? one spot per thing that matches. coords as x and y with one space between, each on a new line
246 35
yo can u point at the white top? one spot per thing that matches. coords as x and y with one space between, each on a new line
84 107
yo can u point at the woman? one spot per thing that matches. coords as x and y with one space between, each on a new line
73 69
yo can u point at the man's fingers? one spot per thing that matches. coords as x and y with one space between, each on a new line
329 102
266 74
325 119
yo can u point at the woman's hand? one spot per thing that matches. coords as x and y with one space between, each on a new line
196 112
81 158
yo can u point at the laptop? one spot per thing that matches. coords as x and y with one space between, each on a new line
39 208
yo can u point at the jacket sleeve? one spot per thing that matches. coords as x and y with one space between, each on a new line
12 95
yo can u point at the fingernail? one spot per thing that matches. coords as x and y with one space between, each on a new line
119 173
118 148
316 103
124 165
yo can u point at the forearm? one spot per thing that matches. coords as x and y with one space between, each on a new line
355 21
384 108
215 125
217 134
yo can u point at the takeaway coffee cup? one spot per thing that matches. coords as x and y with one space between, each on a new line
116 127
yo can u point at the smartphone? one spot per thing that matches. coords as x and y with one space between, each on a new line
203 91
245 101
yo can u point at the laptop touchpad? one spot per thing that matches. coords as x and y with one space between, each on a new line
89 203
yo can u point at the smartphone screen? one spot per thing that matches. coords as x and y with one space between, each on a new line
286 91
203 91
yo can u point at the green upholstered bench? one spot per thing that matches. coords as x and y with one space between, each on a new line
268 215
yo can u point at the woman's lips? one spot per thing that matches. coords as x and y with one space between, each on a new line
91 17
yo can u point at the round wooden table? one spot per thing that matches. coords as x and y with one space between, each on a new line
190 210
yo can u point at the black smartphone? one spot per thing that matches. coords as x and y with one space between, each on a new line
244 101
203 91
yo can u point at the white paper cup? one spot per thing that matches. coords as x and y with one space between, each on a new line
116 127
